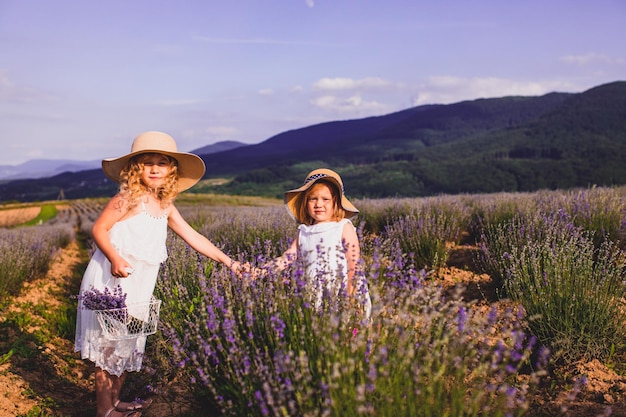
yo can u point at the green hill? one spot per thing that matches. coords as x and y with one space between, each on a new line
488 145
558 140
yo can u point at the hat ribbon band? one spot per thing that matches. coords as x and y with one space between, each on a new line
315 177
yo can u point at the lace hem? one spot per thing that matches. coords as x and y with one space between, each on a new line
115 357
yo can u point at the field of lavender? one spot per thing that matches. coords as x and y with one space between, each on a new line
255 347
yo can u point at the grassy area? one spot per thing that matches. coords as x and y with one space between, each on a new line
48 212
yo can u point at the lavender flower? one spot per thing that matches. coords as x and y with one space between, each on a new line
95 299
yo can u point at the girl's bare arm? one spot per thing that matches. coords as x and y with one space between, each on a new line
199 242
287 257
115 210
353 253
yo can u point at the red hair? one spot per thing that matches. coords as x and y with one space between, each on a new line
301 202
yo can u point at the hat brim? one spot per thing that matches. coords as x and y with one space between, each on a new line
290 199
191 167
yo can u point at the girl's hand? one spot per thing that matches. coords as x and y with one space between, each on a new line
256 273
238 268
121 269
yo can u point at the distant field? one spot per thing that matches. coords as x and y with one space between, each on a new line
15 216
30 215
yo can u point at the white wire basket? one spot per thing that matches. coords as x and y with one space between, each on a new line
138 319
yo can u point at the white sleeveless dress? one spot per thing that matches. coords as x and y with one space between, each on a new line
141 241
321 248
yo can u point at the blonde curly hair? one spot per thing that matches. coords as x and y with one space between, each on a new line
134 188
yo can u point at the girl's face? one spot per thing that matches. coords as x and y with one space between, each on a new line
156 167
320 204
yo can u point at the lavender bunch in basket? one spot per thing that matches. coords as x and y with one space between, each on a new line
95 299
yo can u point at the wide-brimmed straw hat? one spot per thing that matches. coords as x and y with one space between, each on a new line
190 167
318 174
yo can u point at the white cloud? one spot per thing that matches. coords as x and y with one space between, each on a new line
340 83
10 92
310 3
266 92
179 102
363 97
197 137
353 104
210 133
221 131
257 41
445 90
590 59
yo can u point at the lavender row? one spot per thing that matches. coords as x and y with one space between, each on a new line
27 252
257 347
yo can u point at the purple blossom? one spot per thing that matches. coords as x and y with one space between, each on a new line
461 319
95 299
279 326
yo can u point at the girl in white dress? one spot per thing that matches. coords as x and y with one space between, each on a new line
327 241
130 235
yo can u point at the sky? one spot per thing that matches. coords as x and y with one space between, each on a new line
81 79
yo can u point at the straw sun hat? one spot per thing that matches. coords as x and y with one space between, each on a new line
190 167
291 196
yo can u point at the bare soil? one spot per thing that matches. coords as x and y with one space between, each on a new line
53 381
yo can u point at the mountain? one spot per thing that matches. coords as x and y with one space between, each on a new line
222 146
558 140
553 141
385 137
39 168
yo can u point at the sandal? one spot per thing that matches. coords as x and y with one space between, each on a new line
130 413
137 405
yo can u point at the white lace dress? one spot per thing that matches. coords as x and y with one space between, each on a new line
141 241
321 248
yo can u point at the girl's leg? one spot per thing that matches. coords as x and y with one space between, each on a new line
104 387
138 405
108 388
118 382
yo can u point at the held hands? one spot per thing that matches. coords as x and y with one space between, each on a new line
252 273
256 273
238 268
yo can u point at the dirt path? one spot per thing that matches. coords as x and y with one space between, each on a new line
42 370
13 398
41 375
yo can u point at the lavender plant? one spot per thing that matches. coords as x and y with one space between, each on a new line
500 240
490 210
426 234
376 214
260 348
246 228
571 291
597 210
27 252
